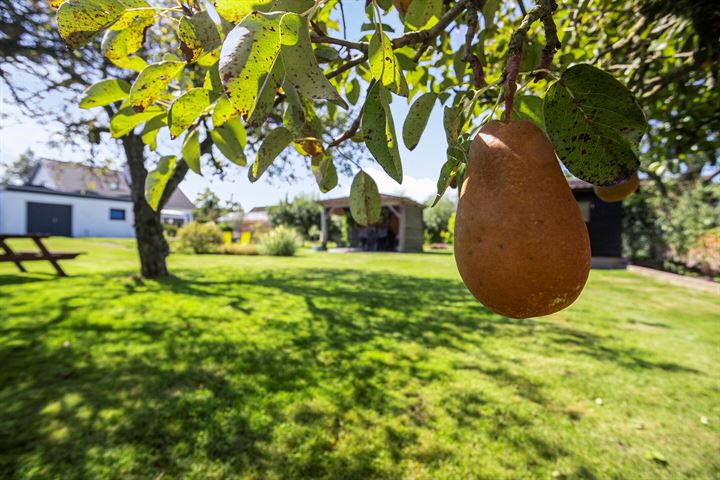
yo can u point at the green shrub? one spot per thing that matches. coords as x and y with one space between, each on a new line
281 241
200 237
239 249
170 229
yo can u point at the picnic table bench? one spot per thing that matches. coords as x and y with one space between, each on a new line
43 255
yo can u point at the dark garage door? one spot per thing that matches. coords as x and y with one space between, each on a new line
49 218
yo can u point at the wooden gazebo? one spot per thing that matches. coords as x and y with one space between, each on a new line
399 229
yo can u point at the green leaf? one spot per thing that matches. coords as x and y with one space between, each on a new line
595 125
364 199
126 119
372 27
447 172
266 96
186 109
453 122
301 67
325 53
151 83
488 11
417 119
248 54
529 107
191 151
104 93
230 139
119 44
423 13
79 21
235 10
324 171
378 131
133 62
352 91
133 10
384 65
157 180
151 129
212 81
274 143
223 111
198 35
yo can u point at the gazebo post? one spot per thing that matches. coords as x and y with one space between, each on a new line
323 227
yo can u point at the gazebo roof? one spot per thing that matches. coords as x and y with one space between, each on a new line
343 202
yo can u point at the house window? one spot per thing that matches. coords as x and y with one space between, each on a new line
117 214
585 211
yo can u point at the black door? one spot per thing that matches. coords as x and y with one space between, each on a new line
49 218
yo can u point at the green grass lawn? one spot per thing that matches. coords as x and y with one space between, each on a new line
346 366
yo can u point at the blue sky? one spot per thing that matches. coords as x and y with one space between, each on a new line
19 133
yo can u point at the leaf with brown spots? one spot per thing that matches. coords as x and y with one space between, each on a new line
417 119
384 65
324 171
79 21
364 199
186 109
246 57
378 130
301 66
235 10
272 146
151 83
595 125
198 35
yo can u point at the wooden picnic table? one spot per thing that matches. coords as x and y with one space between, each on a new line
43 255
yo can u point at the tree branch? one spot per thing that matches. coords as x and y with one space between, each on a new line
359 46
347 66
468 56
354 127
428 34
515 48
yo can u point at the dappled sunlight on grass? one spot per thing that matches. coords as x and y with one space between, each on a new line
347 366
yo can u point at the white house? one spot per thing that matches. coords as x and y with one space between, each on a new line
74 200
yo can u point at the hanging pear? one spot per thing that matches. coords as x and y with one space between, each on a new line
619 192
521 245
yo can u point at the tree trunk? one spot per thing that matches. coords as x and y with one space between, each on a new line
151 244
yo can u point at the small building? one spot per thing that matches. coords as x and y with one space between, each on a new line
604 222
399 229
75 200
256 220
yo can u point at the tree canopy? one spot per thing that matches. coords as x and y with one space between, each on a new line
263 78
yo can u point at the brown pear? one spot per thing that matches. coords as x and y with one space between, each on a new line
521 245
619 192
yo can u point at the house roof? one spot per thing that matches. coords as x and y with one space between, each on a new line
384 200
77 179
72 177
179 201
50 191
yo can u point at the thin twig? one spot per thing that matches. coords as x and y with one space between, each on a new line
512 67
428 34
468 56
350 132
359 46
347 66
552 42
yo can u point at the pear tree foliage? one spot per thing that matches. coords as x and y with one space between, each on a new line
279 70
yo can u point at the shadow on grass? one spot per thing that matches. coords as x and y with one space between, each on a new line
142 394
